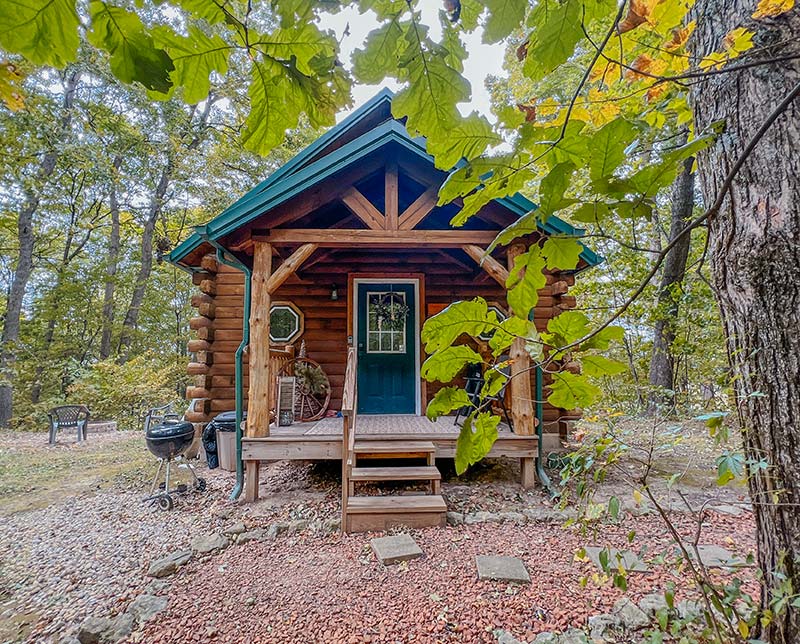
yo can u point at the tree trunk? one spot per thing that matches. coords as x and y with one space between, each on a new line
24 267
662 360
755 250
112 263
146 265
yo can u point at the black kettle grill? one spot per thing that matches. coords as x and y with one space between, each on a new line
167 441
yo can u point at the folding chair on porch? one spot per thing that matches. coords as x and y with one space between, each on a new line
474 381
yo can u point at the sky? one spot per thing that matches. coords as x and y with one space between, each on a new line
483 59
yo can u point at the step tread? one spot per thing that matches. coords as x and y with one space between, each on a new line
393 447
419 473
389 504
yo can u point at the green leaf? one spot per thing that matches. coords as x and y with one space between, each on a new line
445 364
206 10
195 58
566 328
446 400
134 56
43 31
562 252
475 440
495 379
557 29
378 58
613 507
570 391
595 366
729 467
504 17
467 138
469 316
275 106
524 281
299 43
591 212
552 188
603 338
608 150
525 225
510 329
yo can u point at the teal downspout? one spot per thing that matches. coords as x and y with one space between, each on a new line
239 369
540 471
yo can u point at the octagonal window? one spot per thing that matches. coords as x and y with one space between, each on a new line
501 315
285 322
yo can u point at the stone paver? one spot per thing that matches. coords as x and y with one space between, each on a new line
630 560
502 569
712 556
395 548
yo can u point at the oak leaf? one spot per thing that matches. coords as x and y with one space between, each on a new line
771 8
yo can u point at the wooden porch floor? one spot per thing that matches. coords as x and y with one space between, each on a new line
322 439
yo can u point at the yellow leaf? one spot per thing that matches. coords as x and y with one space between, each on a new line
548 107
10 86
714 59
637 497
769 8
744 629
738 41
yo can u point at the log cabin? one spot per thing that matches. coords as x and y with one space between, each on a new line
345 252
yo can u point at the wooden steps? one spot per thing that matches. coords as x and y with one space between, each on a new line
366 513
413 473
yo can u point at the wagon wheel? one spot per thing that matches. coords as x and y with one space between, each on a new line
312 393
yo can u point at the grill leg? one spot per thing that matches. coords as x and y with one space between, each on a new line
157 476
166 480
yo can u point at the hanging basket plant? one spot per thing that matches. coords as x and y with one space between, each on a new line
391 312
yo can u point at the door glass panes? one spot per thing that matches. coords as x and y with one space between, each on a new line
387 316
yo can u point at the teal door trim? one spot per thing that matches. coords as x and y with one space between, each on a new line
415 321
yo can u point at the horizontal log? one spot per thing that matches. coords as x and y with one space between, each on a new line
199 298
205 333
197 368
333 237
203 381
209 263
199 322
209 287
207 309
197 345
559 288
197 417
197 392
198 277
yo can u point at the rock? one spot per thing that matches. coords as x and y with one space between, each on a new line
256 534
546 638
276 529
502 569
630 615
104 630
455 518
573 636
297 526
599 625
629 560
250 601
208 543
477 517
652 603
513 517
157 586
712 556
395 548
144 607
732 510
236 528
541 514
329 526
688 609
169 564
504 637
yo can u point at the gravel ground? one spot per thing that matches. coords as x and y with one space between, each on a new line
312 589
76 541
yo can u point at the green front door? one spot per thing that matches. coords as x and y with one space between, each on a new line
386 342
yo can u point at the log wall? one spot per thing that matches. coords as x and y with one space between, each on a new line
218 324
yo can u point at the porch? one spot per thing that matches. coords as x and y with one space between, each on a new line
322 439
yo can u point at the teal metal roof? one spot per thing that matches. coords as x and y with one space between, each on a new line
299 174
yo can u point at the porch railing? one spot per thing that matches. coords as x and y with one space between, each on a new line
280 361
349 412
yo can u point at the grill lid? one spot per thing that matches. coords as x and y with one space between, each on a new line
169 429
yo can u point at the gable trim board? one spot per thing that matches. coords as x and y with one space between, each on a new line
298 175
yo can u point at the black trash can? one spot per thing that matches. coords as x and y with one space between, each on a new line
224 422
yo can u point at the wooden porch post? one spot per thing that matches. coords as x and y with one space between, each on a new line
521 397
258 397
